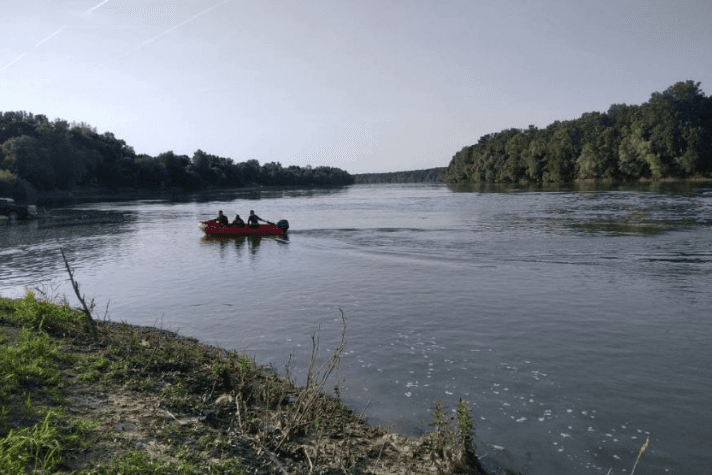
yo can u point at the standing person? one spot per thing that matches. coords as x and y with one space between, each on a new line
222 219
253 219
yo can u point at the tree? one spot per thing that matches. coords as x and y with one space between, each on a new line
670 135
28 159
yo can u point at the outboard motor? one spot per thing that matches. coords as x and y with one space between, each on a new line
283 224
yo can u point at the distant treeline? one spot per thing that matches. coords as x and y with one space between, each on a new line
38 155
430 175
670 136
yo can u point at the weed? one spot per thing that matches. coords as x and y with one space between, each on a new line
454 447
28 406
95 368
43 315
245 365
221 372
309 398
36 447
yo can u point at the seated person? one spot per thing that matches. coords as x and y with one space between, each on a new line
253 219
238 221
222 219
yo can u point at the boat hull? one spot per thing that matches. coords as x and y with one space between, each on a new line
213 228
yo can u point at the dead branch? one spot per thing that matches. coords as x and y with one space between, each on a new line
75 286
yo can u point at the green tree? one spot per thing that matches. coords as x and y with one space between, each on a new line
26 157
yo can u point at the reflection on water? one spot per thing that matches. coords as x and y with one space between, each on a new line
251 194
633 226
241 244
677 188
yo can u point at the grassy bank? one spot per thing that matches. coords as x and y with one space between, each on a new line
131 400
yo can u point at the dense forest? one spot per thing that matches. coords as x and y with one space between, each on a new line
429 175
38 155
670 136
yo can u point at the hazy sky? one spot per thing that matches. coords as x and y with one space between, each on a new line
367 86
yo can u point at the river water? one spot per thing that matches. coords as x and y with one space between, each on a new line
575 322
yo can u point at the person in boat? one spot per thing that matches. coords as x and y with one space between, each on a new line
238 221
253 219
222 219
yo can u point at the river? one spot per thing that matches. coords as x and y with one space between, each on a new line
575 322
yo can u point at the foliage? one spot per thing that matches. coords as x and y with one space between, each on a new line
670 136
37 154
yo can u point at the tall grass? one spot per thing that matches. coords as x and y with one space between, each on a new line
42 315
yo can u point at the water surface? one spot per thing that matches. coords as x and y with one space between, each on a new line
576 323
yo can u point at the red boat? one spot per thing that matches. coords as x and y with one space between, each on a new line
213 228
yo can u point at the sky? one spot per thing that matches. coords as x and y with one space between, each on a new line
362 85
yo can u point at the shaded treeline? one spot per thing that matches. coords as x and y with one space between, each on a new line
430 175
670 136
39 155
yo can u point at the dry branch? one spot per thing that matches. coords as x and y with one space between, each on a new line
75 286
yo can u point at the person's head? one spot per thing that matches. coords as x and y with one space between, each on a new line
237 216
220 213
252 212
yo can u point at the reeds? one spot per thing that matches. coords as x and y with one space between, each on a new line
640 455
305 407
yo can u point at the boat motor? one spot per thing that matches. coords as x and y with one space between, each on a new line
283 224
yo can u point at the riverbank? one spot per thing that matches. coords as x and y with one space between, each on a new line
130 399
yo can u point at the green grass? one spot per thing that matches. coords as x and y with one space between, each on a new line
30 361
43 315
37 447
29 369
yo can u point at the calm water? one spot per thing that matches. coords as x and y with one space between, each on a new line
575 322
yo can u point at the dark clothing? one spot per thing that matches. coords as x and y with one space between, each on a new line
222 219
253 220
238 222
